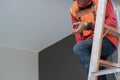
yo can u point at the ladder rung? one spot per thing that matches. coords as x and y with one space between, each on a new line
106 71
112 30
108 63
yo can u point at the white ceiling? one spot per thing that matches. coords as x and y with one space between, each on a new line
33 24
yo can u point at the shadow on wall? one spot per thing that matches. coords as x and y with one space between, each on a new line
57 62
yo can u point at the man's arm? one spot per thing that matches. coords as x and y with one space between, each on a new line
110 18
78 36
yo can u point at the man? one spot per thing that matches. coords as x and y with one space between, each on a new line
84 12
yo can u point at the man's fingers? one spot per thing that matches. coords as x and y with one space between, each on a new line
81 26
75 31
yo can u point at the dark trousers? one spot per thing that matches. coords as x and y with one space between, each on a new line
82 51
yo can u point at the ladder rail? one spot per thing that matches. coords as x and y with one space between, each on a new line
97 39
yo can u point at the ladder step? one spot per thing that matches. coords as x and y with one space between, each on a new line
106 71
108 64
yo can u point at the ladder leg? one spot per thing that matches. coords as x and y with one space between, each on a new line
118 74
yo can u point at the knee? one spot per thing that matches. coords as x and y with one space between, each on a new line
77 48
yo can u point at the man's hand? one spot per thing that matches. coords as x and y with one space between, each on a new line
81 26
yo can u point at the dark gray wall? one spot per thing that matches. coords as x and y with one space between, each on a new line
58 62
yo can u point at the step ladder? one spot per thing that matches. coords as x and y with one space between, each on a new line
95 61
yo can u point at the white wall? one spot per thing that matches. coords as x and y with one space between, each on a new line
34 24
18 64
